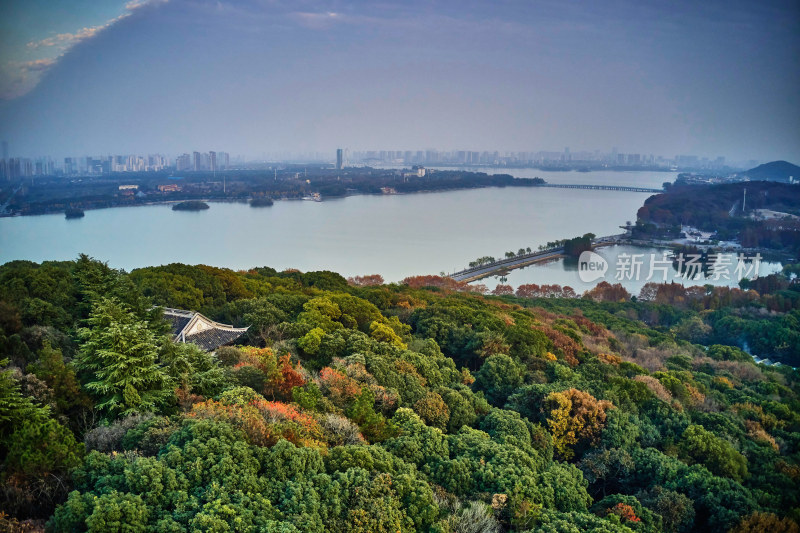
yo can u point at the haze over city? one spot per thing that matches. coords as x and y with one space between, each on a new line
717 79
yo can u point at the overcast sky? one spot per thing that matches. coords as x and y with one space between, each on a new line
252 76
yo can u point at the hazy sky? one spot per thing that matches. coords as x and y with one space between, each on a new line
252 76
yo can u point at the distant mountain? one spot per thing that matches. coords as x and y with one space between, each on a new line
775 171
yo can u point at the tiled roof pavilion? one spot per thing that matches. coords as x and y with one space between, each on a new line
190 326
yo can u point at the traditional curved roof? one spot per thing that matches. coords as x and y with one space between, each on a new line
191 326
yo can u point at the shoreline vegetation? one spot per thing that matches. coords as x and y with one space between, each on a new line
55 194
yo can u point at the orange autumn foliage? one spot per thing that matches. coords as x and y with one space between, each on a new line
724 382
418 282
264 422
563 343
625 512
609 359
290 376
593 328
282 376
757 433
606 292
503 290
532 290
370 280
340 388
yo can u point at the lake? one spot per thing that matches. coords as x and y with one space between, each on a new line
392 235
621 262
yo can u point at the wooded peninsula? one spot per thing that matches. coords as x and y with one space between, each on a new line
56 194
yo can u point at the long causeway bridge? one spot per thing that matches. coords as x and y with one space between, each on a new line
601 187
519 261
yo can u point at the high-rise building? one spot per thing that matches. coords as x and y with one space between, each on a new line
339 159
198 164
183 162
4 170
223 160
25 167
212 159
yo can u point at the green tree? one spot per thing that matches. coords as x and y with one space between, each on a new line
676 510
15 409
69 398
383 333
717 454
42 447
116 512
498 378
374 426
118 361
433 410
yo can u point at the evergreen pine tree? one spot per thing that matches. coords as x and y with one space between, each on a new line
118 361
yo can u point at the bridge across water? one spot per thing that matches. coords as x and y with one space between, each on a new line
519 261
601 187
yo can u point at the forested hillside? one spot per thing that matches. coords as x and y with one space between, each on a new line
718 208
351 405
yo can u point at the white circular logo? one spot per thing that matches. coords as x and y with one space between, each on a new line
591 266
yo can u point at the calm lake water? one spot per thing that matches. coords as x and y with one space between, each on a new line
620 260
395 236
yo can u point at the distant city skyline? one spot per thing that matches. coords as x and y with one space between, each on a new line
341 157
187 160
114 76
22 167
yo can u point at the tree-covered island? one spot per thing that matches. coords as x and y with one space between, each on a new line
190 205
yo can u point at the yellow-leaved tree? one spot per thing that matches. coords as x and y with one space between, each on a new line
575 418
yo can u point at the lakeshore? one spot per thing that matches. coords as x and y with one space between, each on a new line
433 232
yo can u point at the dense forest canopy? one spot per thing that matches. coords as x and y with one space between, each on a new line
352 405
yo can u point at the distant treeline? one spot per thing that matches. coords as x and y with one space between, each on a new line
48 195
719 208
437 181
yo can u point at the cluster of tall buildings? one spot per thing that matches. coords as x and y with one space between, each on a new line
93 166
197 161
541 158
13 168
